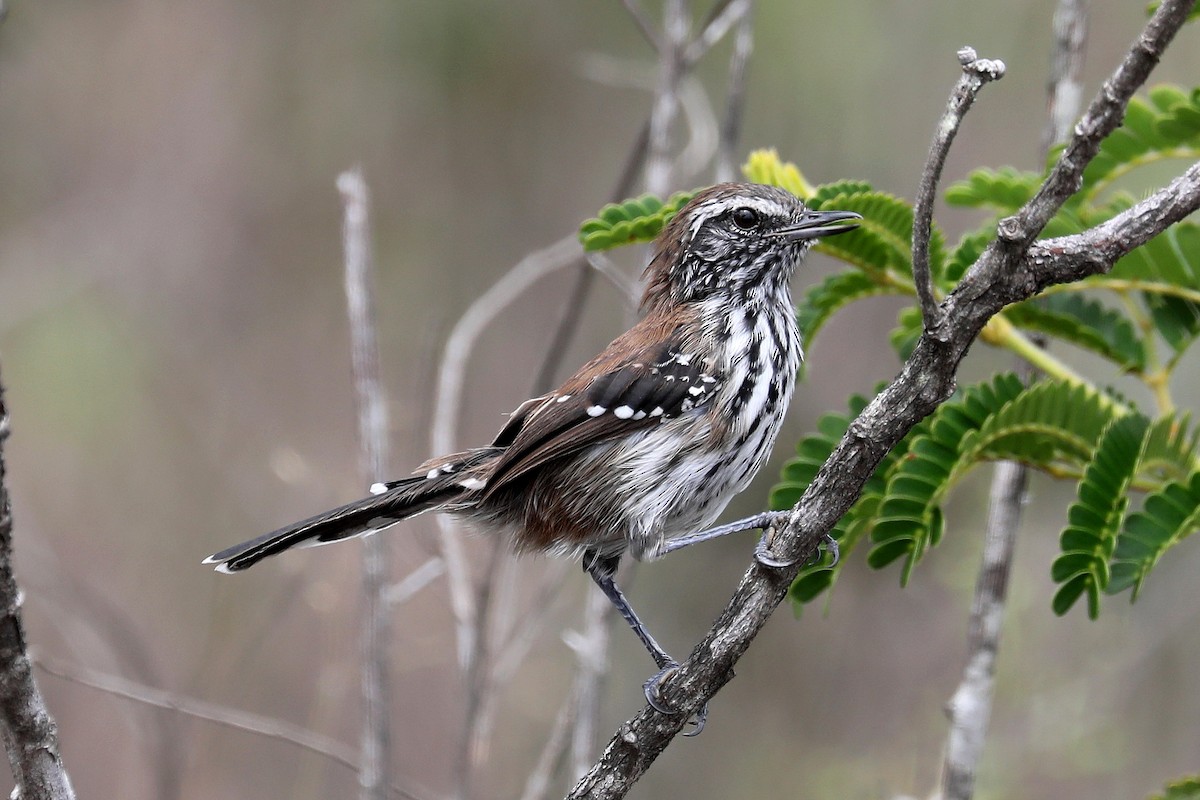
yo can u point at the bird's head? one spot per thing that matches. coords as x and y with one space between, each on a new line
733 239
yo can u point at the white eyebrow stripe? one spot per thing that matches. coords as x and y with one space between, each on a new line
715 208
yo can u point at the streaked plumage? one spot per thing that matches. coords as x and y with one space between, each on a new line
651 438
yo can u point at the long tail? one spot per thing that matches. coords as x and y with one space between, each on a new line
448 481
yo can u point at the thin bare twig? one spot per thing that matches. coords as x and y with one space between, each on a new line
970 707
1065 94
735 99
642 22
591 651
373 466
1012 269
537 784
720 18
666 100
235 719
29 732
451 378
975 73
402 591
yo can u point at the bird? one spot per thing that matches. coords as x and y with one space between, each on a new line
641 449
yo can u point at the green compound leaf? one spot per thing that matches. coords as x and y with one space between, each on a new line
765 166
1084 323
909 327
1167 125
883 240
910 518
1004 190
631 222
826 298
1095 517
1172 259
1184 788
1170 450
811 453
1168 516
1052 423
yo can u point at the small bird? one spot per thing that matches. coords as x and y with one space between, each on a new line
642 448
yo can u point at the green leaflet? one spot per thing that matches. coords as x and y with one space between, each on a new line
883 241
1084 323
1094 519
1169 452
631 222
797 473
1185 788
1167 125
968 250
910 518
1169 514
909 327
1172 259
765 166
1052 423
824 299
1004 190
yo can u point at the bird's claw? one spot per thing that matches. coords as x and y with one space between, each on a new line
651 689
764 556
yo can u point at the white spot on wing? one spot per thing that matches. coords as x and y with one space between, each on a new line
433 473
563 398
378 488
471 484
595 411
622 412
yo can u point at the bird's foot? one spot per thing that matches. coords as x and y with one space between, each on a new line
764 556
651 689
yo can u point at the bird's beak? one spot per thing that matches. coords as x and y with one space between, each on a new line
815 224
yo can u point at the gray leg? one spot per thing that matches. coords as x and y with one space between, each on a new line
764 521
602 569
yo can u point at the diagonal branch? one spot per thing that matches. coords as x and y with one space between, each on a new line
1007 272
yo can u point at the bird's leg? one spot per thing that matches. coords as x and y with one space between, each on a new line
602 569
765 522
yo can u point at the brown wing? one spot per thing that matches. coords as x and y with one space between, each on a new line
636 383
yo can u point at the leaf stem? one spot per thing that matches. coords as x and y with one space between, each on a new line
999 332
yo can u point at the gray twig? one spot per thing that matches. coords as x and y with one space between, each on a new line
402 591
666 100
537 784
1010 270
643 22
1065 93
29 732
970 708
373 466
735 100
235 719
591 653
975 73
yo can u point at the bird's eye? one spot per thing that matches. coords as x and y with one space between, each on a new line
745 218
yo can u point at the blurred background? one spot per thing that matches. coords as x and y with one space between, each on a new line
176 361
